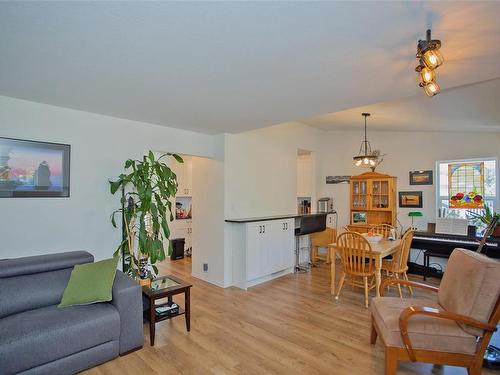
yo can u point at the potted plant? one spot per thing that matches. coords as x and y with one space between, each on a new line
147 187
485 219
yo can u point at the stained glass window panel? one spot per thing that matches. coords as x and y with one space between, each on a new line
466 185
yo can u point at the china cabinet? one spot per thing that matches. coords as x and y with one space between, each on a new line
372 201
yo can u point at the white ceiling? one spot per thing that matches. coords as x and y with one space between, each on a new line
231 66
473 108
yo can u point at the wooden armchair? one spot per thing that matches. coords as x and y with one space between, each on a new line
453 330
398 265
322 239
383 229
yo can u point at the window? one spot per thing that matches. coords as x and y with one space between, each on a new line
466 185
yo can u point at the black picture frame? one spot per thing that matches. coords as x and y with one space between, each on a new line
421 178
40 170
410 199
337 179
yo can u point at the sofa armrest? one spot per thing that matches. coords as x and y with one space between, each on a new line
127 299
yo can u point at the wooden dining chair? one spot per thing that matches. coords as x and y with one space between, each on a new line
357 262
322 239
382 229
398 265
454 328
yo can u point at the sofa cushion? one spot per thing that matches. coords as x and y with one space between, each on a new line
425 332
43 263
32 282
470 286
90 283
29 292
36 337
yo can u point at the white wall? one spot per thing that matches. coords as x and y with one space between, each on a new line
261 169
99 147
208 218
405 151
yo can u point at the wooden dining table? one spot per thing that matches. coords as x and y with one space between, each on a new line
380 250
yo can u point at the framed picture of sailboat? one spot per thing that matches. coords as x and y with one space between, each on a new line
32 169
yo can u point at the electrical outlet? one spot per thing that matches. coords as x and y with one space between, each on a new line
205 267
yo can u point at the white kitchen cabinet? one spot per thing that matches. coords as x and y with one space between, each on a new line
260 243
262 251
285 241
253 254
184 173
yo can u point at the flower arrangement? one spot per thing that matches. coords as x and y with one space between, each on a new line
466 200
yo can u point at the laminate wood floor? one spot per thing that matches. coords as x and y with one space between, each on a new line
291 325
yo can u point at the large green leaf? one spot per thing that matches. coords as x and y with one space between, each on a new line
177 157
166 229
115 185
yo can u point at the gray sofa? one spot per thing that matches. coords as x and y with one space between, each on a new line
37 337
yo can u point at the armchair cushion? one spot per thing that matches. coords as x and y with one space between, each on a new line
426 333
470 286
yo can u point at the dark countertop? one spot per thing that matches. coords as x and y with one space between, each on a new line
276 217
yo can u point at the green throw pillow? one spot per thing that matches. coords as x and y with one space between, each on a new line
90 283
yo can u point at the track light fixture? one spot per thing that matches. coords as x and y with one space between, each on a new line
429 58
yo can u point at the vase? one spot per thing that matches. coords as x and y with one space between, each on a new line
143 268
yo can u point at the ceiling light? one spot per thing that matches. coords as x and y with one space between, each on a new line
430 58
426 75
432 89
367 158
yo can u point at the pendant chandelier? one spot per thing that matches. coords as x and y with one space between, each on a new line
367 157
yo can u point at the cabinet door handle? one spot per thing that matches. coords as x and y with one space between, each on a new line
260 228
263 229
286 226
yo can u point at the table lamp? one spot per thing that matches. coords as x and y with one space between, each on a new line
414 214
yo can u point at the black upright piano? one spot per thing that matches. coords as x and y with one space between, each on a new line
439 245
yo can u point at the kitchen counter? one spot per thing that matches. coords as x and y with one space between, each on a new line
276 217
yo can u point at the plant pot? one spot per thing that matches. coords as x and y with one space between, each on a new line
144 282
143 268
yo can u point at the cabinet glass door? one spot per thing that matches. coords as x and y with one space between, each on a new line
359 195
380 194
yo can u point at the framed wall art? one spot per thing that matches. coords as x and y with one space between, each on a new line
421 178
32 169
410 199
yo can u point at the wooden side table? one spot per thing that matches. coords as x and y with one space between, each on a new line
166 287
